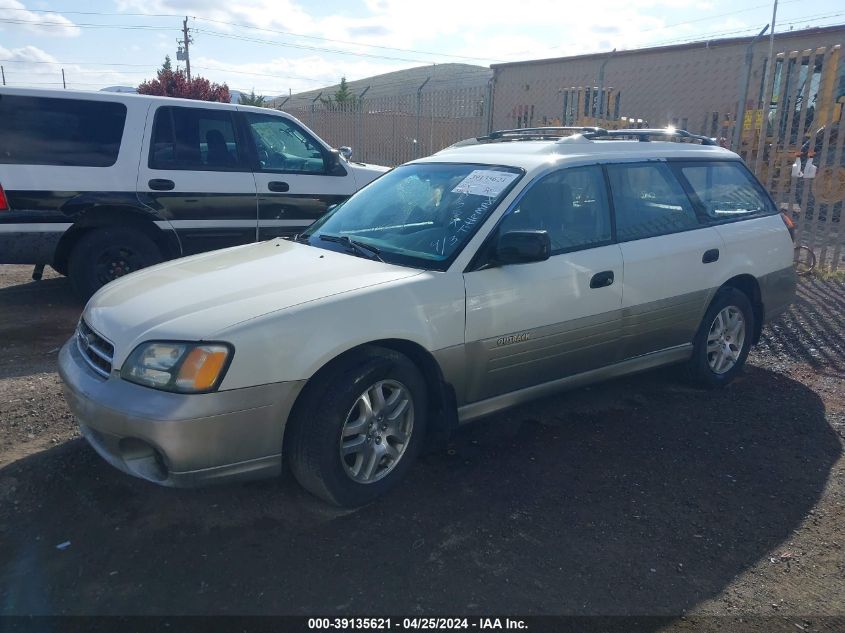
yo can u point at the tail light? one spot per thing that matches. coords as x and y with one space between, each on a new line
4 203
790 225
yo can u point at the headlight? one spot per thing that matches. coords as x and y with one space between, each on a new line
180 367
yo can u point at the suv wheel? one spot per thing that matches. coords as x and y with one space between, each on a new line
358 427
103 255
723 339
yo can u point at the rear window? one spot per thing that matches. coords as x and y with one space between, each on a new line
66 132
726 190
195 139
649 201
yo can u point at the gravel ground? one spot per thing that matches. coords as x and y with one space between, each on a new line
642 496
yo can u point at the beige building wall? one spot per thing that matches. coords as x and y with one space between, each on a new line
681 85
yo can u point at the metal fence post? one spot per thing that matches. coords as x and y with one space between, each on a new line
487 116
419 110
358 122
743 92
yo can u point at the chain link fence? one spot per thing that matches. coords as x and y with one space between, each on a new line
393 130
789 136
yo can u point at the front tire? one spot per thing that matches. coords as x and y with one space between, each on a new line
358 427
103 255
723 340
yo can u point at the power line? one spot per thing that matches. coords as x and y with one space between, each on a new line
250 27
337 41
84 25
720 34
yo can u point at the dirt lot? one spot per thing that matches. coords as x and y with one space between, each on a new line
642 496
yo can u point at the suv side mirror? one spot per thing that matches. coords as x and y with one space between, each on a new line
521 247
334 166
345 151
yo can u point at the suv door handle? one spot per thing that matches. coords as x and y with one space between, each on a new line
602 279
710 256
278 186
161 184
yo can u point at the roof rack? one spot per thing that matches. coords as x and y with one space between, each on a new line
591 133
528 134
541 132
645 134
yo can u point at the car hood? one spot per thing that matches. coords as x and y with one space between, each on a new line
194 297
366 173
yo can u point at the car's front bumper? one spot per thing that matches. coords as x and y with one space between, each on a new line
178 440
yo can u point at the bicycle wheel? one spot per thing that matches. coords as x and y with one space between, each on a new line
804 260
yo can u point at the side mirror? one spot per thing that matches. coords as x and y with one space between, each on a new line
345 151
521 247
334 166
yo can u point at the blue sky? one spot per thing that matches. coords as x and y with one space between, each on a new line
279 45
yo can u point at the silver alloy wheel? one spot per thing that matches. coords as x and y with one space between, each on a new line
725 339
376 432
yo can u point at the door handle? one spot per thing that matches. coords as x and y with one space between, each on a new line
710 256
278 186
602 279
161 184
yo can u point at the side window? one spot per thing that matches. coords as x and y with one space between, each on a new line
67 132
571 205
282 146
649 201
725 189
194 138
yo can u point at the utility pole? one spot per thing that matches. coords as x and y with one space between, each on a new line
184 48
64 83
3 74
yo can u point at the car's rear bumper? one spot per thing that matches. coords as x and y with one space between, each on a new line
777 292
30 243
178 440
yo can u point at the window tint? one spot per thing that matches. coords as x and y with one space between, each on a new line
648 201
193 138
571 205
725 190
283 146
68 132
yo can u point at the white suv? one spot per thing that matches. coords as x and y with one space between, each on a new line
99 184
452 287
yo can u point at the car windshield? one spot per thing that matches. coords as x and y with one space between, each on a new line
417 215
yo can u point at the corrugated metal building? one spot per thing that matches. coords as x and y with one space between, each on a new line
681 85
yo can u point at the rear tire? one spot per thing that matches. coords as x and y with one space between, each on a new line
103 255
331 439
723 340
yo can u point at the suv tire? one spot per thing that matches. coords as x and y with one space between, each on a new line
331 418
105 254
723 340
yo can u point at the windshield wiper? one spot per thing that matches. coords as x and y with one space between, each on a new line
370 252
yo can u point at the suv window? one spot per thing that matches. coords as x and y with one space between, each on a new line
648 201
571 205
282 146
195 139
66 132
725 189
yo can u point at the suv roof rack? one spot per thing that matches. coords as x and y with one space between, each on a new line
560 133
588 132
645 134
529 134
541 132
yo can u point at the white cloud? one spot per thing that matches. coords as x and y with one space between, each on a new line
277 76
32 66
15 15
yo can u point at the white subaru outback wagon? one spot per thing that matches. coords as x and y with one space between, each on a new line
488 274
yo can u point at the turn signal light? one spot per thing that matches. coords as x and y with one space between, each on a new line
201 368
